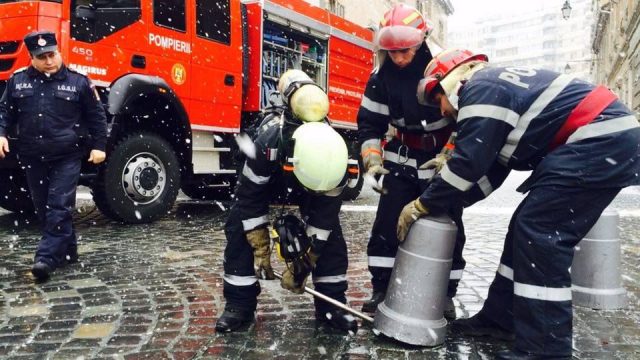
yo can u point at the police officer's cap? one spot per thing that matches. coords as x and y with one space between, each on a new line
40 42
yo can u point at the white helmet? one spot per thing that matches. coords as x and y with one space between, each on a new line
319 156
307 100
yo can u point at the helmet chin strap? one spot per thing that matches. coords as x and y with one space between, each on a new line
460 76
453 96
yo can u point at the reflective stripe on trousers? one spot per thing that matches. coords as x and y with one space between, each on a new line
533 275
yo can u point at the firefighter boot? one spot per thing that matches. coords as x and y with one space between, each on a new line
41 271
519 355
71 257
480 325
338 319
371 305
449 309
233 319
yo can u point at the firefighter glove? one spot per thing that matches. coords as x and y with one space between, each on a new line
410 213
260 242
372 159
295 276
437 163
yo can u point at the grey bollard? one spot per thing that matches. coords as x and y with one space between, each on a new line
596 282
412 311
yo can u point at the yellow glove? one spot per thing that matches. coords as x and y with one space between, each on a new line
372 160
437 163
260 242
372 157
409 214
294 278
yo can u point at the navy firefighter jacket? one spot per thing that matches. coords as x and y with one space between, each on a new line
53 114
390 99
262 180
507 119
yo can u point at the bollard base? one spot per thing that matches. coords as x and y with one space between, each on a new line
409 330
600 299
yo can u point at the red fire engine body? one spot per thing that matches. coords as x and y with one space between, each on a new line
181 78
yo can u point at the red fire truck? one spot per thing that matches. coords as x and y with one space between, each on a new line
180 79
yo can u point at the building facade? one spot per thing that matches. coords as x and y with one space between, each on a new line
616 48
368 13
535 36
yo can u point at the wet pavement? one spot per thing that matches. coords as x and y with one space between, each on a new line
154 291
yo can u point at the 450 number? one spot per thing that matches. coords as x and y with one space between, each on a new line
82 51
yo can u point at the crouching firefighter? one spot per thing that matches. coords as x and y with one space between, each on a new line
298 158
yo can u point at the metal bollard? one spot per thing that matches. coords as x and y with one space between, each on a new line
595 273
412 311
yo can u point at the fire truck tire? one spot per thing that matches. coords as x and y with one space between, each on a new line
14 192
139 181
352 193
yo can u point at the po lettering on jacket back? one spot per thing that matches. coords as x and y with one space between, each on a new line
513 75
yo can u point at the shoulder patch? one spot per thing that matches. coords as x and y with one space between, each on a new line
75 70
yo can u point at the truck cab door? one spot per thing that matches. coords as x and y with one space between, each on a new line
104 37
217 60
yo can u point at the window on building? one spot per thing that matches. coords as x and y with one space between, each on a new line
336 7
170 13
213 20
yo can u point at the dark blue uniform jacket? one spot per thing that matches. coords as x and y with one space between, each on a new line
53 115
507 119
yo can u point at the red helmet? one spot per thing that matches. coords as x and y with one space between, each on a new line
440 66
402 27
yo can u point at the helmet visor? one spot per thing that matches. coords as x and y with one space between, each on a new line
399 37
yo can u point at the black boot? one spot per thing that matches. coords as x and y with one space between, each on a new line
41 271
519 355
480 325
371 305
338 319
233 319
71 257
449 309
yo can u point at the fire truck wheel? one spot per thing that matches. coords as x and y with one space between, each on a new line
14 192
139 181
352 193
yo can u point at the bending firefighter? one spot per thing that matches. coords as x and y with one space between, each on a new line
419 133
298 157
581 143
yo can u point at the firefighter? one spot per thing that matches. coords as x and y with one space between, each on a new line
581 143
301 158
52 106
418 135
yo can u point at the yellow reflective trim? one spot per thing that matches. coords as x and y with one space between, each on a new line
409 19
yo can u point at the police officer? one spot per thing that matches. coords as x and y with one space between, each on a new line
419 134
581 143
298 157
52 107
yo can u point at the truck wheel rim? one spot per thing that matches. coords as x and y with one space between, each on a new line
144 178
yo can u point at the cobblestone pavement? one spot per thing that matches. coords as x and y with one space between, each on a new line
155 291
